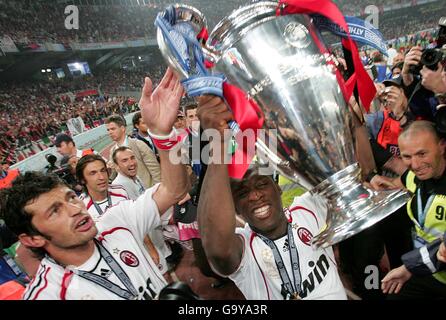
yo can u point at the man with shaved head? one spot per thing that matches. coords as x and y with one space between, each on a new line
423 151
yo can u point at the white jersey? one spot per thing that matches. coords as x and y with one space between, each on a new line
134 189
257 275
117 194
121 232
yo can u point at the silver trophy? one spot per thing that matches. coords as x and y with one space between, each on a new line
277 60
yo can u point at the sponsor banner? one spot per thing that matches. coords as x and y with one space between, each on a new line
98 45
86 46
152 42
7 45
136 43
58 47
31 47
113 45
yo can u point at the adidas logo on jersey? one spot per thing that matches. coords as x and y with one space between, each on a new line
286 246
105 273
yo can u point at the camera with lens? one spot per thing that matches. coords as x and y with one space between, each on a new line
431 57
63 172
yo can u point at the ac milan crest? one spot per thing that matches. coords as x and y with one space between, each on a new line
129 258
304 235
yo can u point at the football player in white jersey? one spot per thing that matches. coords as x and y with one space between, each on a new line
104 260
99 195
271 257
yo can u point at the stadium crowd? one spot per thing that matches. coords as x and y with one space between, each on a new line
55 102
407 21
35 22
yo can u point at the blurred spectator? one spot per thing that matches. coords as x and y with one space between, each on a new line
30 23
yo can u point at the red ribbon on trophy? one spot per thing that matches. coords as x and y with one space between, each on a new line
248 115
326 8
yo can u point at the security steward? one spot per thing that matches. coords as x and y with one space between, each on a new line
423 151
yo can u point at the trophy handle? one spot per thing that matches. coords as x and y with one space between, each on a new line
186 13
173 52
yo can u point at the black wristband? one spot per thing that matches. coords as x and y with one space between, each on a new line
371 174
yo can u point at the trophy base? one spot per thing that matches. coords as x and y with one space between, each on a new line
352 207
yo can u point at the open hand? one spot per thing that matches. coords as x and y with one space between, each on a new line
395 279
159 108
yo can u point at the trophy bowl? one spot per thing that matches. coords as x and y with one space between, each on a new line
282 63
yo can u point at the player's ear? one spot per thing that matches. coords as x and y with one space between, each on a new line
34 241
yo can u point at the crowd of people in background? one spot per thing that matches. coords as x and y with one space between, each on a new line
35 22
407 21
36 110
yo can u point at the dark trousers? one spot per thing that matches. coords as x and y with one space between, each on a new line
421 288
367 248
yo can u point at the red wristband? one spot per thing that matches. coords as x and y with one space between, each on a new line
165 142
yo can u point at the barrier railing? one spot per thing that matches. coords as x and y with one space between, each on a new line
96 138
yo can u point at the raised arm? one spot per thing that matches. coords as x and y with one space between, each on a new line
216 211
159 110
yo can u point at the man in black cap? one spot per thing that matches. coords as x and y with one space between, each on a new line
385 125
66 147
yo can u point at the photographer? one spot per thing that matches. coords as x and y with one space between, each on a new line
67 147
422 76
67 172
